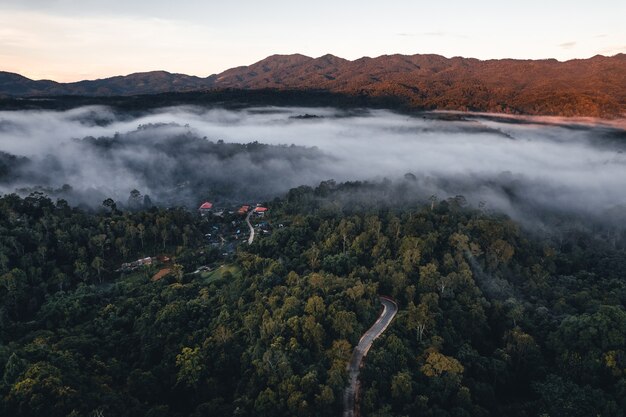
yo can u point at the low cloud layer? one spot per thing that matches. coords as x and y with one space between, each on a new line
511 165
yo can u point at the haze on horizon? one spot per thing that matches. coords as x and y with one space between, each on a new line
66 41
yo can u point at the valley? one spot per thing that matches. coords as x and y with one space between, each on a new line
388 234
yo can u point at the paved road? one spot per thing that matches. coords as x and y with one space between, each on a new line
350 403
251 238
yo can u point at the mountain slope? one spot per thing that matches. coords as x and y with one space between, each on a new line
133 84
592 87
584 87
16 85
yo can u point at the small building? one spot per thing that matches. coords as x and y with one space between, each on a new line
133 266
206 206
243 210
144 261
260 211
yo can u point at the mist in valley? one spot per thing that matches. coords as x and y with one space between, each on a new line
182 155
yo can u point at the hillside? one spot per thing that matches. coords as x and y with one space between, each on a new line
584 87
592 87
493 320
133 84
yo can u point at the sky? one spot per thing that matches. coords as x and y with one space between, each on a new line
71 40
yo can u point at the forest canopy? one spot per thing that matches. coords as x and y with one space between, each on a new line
494 319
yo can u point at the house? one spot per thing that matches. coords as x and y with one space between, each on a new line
144 261
205 207
243 210
133 266
260 211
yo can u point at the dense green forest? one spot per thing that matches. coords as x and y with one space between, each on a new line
494 319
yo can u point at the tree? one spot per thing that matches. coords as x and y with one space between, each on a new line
165 236
14 367
135 200
313 333
420 318
266 403
436 364
177 272
500 252
313 257
99 241
410 253
516 310
80 270
190 366
315 306
430 278
110 204
523 352
42 391
141 230
401 388
324 400
433 200
97 264
344 323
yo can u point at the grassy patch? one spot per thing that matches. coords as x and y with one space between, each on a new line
135 277
218 273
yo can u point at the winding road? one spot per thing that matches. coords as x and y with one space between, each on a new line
350 396
251 238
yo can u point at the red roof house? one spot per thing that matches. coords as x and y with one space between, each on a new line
206 206
260 209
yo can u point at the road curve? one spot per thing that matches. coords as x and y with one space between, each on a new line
350 403
251 238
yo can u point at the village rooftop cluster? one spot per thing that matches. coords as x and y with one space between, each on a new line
228 228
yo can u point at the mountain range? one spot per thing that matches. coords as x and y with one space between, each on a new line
581 87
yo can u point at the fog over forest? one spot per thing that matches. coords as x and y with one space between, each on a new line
173 154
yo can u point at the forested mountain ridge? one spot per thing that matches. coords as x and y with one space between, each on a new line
493 320
582 87
592 87
140 83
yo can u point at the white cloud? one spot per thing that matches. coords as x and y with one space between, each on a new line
543 165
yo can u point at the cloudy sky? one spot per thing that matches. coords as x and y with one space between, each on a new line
68 40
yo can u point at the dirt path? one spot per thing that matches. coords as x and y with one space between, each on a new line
350 396
251 238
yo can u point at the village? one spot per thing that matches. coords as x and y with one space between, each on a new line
226 228
234 225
